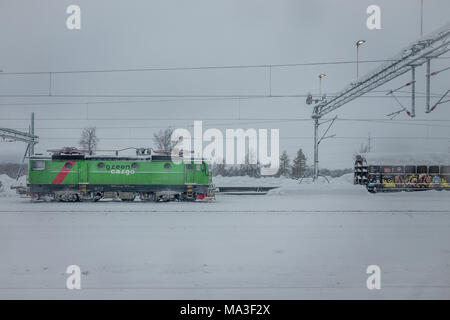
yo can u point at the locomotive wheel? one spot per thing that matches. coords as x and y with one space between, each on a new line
72 198
98 196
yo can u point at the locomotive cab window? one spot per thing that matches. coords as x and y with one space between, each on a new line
38 165
198 167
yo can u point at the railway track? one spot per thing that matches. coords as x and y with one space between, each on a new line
244 190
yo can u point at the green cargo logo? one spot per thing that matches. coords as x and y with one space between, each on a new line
120 169
125 172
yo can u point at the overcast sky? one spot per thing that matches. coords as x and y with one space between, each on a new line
195 33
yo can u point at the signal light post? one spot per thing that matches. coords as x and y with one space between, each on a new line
358 43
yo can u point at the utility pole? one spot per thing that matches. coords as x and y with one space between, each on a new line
369 143
316 132
317 141
428 78
316 148
32 142
413 91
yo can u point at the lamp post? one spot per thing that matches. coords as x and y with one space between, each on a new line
320 84
421 18
358 43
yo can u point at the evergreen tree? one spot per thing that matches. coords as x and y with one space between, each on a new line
284 169
299 165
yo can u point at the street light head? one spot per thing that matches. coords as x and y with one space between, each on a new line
322 75
360 42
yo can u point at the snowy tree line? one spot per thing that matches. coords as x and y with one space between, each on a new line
12 169
295 169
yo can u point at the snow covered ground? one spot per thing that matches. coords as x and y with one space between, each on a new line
309 240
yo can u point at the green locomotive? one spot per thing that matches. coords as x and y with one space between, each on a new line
72 175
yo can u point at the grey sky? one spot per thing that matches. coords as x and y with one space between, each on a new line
153 34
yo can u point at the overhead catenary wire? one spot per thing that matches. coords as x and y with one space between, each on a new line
269 67
411 122
184 96
180 99
281 138
263 120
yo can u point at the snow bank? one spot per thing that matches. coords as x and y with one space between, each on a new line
322 184
245 181
6 184
288 186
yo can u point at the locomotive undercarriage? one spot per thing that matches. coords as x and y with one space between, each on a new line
72 194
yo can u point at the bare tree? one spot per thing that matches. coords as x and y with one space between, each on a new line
163 140
89 139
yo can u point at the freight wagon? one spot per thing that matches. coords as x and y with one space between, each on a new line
402 172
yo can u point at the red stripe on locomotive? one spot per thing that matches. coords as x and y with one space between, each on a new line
63 172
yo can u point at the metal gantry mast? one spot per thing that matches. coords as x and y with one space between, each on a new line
15 135
416 54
